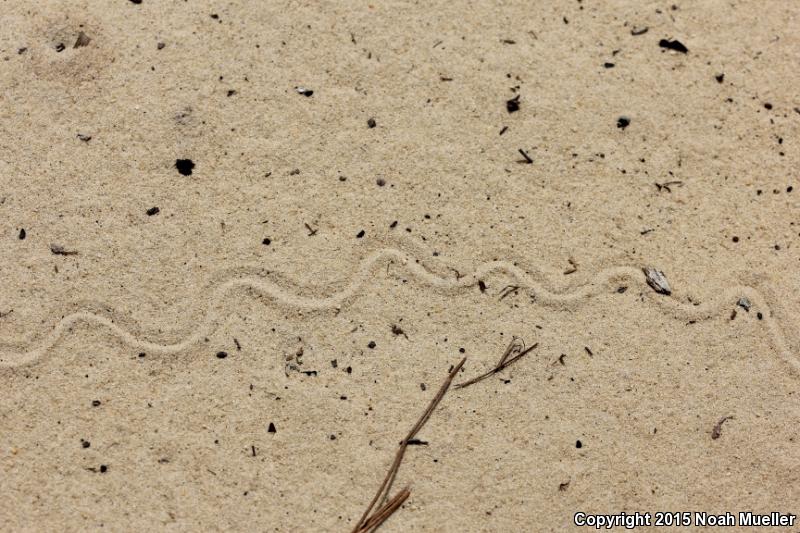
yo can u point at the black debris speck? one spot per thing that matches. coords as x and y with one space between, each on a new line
578 444
84 138
60 47
371 345
22 234
153 211
527 159
222 355
608 65
231 92
767 106
381 182
103 469
360 234
371 123
95 403
759 316
623 122
267 241
271 428
85 443
184 166
481 285
513 105
720 78
675 45
639 31
304 91
136 1
160 46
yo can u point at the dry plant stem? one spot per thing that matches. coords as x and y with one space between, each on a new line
501 365
386 485
380 516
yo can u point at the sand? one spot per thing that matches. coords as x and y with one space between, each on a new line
249 355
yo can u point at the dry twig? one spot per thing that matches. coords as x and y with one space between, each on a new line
370 522
515 351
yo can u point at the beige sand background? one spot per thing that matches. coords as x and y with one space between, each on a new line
134 320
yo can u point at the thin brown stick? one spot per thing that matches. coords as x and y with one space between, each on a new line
380 516
505 361
386 485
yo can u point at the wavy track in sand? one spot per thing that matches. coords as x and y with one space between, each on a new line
601 282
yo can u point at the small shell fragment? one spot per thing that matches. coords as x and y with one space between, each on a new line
657 281
744 303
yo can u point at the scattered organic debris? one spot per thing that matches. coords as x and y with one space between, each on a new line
84 138
667 184
744 303
528 159
563 486
82 40
515 351
573 267
507 290
184 166
311 231
370 522
512 105
717 431
674 44
57 249
657 281
639 31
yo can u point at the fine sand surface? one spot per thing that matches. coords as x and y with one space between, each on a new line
249 355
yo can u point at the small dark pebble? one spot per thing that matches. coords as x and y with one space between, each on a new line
621 290
735 239
360 234
222 355
22 234
512 105
231 92
759 316
371 123
481 285
141 355
578 444
371 345
160 46
153 211
767 106
675 45
184 166
60 47
271 428
623 122
103 469
333 437
136 1
85 443
608 65
305 92
95 403
381 182
720 78
267 241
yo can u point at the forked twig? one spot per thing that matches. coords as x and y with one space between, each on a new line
515 351
369 523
